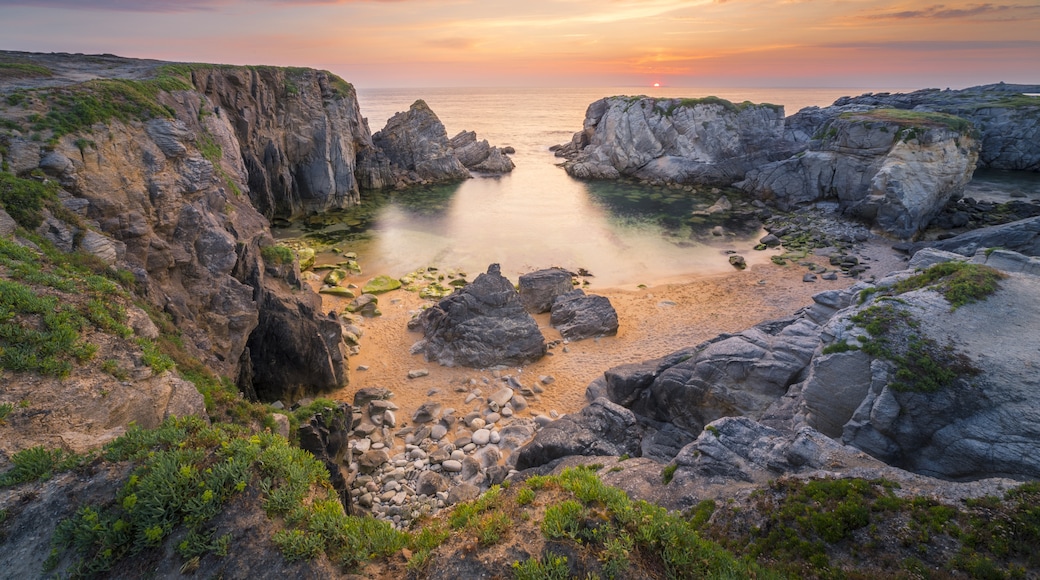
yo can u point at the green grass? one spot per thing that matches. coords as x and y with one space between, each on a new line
674 104
39 463
22 70
914 119
25 199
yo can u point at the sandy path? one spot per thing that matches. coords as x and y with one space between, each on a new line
653 322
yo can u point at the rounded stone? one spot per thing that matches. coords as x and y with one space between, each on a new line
481 436
438 432
452 466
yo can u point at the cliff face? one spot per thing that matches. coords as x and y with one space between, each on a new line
896 171
674 140
300 133
178 194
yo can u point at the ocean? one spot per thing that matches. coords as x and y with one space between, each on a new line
537 216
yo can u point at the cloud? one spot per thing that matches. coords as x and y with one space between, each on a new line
937 45
944 12
167 6
454 43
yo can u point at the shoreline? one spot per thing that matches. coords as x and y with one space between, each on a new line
677 313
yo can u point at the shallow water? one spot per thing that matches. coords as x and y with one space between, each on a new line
538 216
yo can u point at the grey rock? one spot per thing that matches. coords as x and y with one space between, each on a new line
602 428
430 483
578 316
539 289
452 466
7 224
427 412
479 155
481 436
415 141
462 492
481 325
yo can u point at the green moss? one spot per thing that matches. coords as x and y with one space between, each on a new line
668 473
960 283
278 255
21 70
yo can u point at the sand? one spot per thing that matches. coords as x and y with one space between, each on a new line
654 321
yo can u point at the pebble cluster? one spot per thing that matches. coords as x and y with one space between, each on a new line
444 455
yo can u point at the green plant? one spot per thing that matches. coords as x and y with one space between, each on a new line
549 567
14 70
913 120
960 283
152 356
38 463
277 254
525 496
668 473
25 199
839 347
5 410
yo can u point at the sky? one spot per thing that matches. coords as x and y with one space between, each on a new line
571 43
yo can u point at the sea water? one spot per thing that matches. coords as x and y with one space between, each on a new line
537 216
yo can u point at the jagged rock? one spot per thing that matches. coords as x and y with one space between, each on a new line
325 435
367 395
372 460
481 325
101 246
601 428
427 412
416 141
479 155
707 140
578 316
539 289
894 171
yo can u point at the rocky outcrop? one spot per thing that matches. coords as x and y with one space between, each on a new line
894 169
325 435
416 142
482 325
602 428
1022 236
709 141
180 198
1008 121
578 316
480 156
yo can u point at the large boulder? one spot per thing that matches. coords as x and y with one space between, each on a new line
482 325
602 428
539 289
416 142
1022 236
578 316
895 169
709 140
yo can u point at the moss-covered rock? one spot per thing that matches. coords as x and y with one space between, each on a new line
381 284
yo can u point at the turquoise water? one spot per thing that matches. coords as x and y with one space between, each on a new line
538 216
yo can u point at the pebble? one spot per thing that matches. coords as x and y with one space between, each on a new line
481 436
495 437
492 418
452 466
554 414
438 432
362 445
362 367
506 412
469 447
457 455
417 373
546 379
542 420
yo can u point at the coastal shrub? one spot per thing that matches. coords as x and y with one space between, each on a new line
21 70
960 283
24 199
549 567
38 463
5 410
921 364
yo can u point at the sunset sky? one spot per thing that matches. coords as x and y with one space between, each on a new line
395 43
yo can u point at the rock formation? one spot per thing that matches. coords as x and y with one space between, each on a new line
882 385
710 140
578 316
169 194
416 142
539 289
479 156
482 325
892 168
1007 119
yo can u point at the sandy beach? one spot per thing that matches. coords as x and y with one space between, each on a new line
654 321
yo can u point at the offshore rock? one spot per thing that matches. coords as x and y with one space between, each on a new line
578 316
896 172
417 145
482 325
709 141
479 155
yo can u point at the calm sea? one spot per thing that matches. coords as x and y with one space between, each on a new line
537 216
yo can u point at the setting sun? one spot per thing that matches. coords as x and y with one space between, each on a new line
657 84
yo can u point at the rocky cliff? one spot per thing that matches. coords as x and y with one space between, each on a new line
896 169
169 175
1005 115
708 140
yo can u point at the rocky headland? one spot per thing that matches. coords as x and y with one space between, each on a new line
162 355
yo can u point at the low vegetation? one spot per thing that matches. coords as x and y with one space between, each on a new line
914 119
22 70
960 283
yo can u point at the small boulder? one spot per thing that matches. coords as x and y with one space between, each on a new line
578 316
539 289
